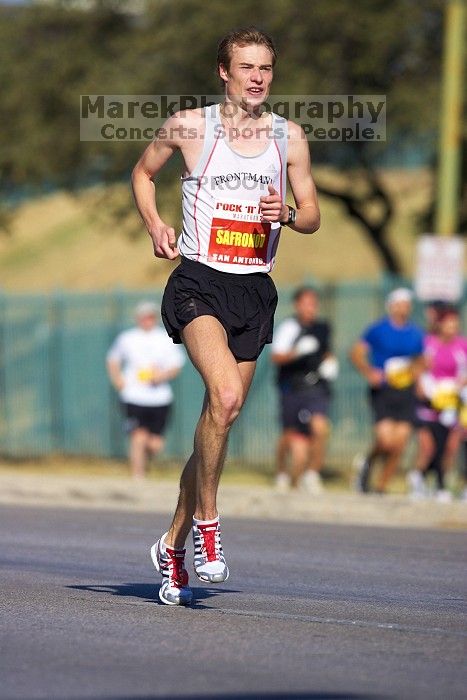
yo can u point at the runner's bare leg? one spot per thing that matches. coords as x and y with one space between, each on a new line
282 452
300 449
320 433
156 444
137 452
397 442
227 382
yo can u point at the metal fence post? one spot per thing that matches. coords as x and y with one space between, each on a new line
3 398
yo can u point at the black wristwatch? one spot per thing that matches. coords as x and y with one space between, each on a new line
291 218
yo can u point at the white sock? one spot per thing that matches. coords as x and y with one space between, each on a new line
164 545
206 522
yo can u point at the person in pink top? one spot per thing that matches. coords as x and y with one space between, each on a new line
440 390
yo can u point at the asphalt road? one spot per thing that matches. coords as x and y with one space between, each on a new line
310 611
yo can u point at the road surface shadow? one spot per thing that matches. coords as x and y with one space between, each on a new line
149 592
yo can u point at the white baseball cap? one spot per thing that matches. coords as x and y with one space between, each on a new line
399 294
146 308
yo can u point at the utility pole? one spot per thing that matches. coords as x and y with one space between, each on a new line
450 145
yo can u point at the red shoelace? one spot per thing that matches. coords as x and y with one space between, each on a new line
208 533
179 574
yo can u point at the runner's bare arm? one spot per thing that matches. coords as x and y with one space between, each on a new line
151 162
164 375
115 374
301 182
359 357
283 358
419 365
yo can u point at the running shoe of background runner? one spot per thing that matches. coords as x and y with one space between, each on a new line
443 496
417 485
312 483
282 482
209 562
170 563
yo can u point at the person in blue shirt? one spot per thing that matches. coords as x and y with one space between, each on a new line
389 355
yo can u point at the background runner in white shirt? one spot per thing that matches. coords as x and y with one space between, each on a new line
141 362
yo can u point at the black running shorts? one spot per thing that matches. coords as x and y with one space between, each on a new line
393 404
152 418
297 407
243 304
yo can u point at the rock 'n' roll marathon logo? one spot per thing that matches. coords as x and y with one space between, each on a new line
238 236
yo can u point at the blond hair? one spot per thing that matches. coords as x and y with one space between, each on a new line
243 37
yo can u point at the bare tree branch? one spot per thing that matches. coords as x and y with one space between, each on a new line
358 207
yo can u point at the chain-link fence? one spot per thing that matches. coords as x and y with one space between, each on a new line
55 396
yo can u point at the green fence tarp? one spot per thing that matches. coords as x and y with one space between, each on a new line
55 396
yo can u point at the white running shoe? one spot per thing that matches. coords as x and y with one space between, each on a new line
443 496
282 483
417 485
209 561
169 562
312 483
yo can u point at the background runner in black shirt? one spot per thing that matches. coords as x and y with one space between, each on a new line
301 350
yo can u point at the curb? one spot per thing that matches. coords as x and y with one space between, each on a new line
253 502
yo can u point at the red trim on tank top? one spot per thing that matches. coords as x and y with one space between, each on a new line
280 161
196 196
276 242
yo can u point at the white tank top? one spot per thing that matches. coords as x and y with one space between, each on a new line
222 227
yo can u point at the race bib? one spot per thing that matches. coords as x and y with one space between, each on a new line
398 371
463 416
145 374
238 236
445 395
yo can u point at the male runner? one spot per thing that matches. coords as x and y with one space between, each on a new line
220 300
141 362
302 352
389 355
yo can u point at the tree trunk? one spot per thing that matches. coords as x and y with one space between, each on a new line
357 208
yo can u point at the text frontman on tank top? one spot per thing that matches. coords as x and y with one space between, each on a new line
220 301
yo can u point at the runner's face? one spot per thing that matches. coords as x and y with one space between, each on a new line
449 326
250 74
400 311
306 307
147 322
